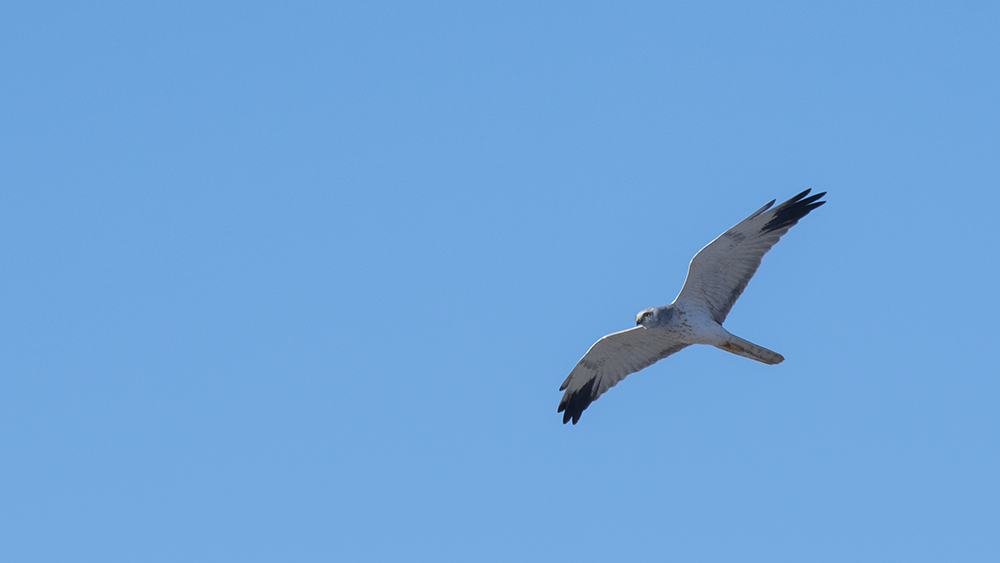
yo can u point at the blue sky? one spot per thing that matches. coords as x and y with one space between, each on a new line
300 281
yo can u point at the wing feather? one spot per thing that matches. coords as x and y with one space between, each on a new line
720 271
607 362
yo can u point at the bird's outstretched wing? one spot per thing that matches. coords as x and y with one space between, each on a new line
719 273
607 362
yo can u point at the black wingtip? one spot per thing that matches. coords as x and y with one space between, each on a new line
578 401
789 212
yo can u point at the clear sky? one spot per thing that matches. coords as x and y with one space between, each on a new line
299 281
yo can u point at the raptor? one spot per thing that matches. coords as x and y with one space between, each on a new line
716 278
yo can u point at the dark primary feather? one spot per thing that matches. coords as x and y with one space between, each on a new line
789 213
575 403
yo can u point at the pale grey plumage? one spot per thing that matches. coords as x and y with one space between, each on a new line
716 278
619 354
720 271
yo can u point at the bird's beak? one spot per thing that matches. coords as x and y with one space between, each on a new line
638 320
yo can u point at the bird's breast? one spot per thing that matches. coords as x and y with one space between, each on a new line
694 326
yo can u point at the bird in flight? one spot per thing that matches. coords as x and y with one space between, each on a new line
716 277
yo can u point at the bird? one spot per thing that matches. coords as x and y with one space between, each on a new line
717 276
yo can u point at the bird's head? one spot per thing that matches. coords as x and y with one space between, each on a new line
645 317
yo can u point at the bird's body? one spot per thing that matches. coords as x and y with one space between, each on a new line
684 323
716 277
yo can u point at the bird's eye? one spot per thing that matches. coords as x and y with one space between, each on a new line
646 314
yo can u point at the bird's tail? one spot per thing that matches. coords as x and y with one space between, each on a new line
741 347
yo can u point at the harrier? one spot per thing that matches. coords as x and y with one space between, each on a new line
717 276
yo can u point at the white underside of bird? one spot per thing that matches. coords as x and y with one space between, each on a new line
691 324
